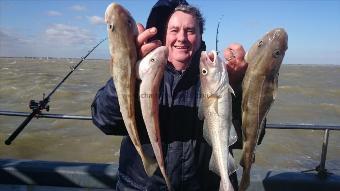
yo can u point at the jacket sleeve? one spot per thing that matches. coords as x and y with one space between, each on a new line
106 112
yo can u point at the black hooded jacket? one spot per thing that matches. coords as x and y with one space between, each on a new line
185 151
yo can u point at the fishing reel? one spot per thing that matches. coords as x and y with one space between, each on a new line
39 106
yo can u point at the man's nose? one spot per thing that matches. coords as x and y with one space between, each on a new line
182 36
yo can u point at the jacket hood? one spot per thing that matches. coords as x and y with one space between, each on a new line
160 14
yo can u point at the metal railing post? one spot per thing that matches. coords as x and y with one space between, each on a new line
322 171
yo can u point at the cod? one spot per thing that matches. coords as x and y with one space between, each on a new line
259 88
216 110
122 32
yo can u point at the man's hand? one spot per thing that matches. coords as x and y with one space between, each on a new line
144 47
236 65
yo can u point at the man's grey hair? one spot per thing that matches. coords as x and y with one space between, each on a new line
195 12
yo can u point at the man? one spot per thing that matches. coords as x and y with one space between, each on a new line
178 26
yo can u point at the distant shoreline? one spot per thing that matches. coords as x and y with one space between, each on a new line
56 58
48 58
285 64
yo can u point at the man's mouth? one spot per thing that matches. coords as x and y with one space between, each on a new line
181 47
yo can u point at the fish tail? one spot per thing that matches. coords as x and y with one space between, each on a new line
166 178
150 165
226 187
246 162
167 182
245 180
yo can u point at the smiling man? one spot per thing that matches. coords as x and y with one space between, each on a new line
183 37
179 27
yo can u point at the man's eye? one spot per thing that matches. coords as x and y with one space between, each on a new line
191 31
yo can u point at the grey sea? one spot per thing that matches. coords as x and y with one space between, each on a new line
307 94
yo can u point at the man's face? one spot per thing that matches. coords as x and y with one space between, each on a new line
183 37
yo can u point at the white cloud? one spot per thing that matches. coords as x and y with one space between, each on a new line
96 20
78 8
53 13
68 35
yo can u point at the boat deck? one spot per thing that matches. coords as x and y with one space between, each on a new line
34 175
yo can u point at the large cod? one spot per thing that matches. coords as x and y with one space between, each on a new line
259 87
216 111
122 32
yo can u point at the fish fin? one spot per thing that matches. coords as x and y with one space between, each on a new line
231 89
232 166
213 165
138 63
246 56
150 165
216 106
229 162
232 135
206 133
201 110
276 84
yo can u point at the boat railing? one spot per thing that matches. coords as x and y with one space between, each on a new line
321 170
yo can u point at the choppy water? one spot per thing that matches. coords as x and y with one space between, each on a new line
307 94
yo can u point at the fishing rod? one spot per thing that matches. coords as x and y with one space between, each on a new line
37 107
218 26
46 115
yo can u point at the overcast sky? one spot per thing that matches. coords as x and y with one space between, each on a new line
67 28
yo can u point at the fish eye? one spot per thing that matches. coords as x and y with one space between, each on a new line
276 53
129 23
152 60
260 43
204 71
110 27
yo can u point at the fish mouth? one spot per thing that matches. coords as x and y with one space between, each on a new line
279 37
120 10
165 50
279 34
210 56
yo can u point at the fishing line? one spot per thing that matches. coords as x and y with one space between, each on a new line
218 26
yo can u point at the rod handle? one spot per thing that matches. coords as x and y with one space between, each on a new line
9 140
